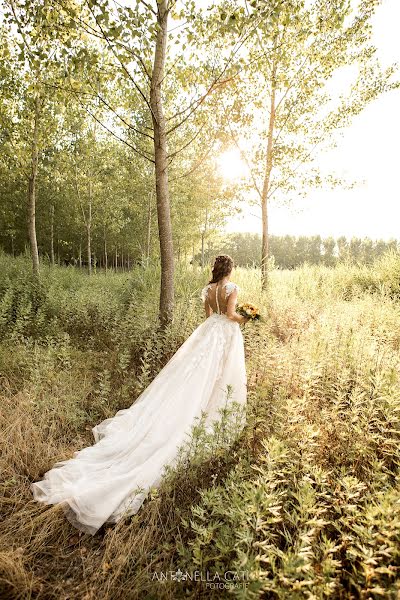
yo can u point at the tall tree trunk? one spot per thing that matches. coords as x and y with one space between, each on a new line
161 169
52 260
203 237
89 230
148 236
89 248
80 255
105 251
267 181
32 188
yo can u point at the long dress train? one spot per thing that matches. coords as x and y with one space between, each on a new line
112 478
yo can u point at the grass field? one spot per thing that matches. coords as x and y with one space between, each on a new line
305 503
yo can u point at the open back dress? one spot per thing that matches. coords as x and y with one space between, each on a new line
112 478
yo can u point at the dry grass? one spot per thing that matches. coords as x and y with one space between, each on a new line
306 500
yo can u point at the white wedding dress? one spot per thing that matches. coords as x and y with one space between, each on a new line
112 478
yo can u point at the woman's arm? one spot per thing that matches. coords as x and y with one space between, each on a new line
231 309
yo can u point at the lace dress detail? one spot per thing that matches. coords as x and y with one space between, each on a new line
204 292
229 287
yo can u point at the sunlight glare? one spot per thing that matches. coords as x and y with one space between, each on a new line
231 164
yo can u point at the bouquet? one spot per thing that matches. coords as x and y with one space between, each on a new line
248 310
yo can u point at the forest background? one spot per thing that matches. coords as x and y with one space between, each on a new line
132 133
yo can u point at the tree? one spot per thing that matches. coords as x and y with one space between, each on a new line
283 92
329 246
38 62
161 164
343 248
171 94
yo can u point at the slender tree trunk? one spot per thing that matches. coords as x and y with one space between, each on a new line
89 249
89 231
116 258
161 169
80 255
105 251
129 262
52 260
203 237
148 237
32 188
267 180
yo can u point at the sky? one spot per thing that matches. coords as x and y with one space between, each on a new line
367 152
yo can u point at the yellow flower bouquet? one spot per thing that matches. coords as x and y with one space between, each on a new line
248 310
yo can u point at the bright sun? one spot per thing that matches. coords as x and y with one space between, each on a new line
231 164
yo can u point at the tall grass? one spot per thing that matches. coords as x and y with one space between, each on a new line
304 502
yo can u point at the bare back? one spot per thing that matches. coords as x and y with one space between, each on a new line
217 298
217 295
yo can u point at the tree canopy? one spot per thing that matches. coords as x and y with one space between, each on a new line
113 117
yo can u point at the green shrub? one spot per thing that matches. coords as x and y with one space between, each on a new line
304 500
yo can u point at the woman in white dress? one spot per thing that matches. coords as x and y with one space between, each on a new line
112 478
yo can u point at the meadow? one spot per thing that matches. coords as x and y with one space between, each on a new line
305 501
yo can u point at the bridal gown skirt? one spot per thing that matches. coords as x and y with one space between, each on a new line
112 478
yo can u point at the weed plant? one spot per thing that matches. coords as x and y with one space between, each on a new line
302 502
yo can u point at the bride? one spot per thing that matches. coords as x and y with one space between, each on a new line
112 478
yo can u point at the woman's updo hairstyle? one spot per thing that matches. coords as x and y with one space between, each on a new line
223 265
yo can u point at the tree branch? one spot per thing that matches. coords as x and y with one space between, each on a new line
20 29
140 152
216 82
129 125
172 156
148 6
125 69
302 162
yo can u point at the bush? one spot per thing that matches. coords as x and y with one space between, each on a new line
304 500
